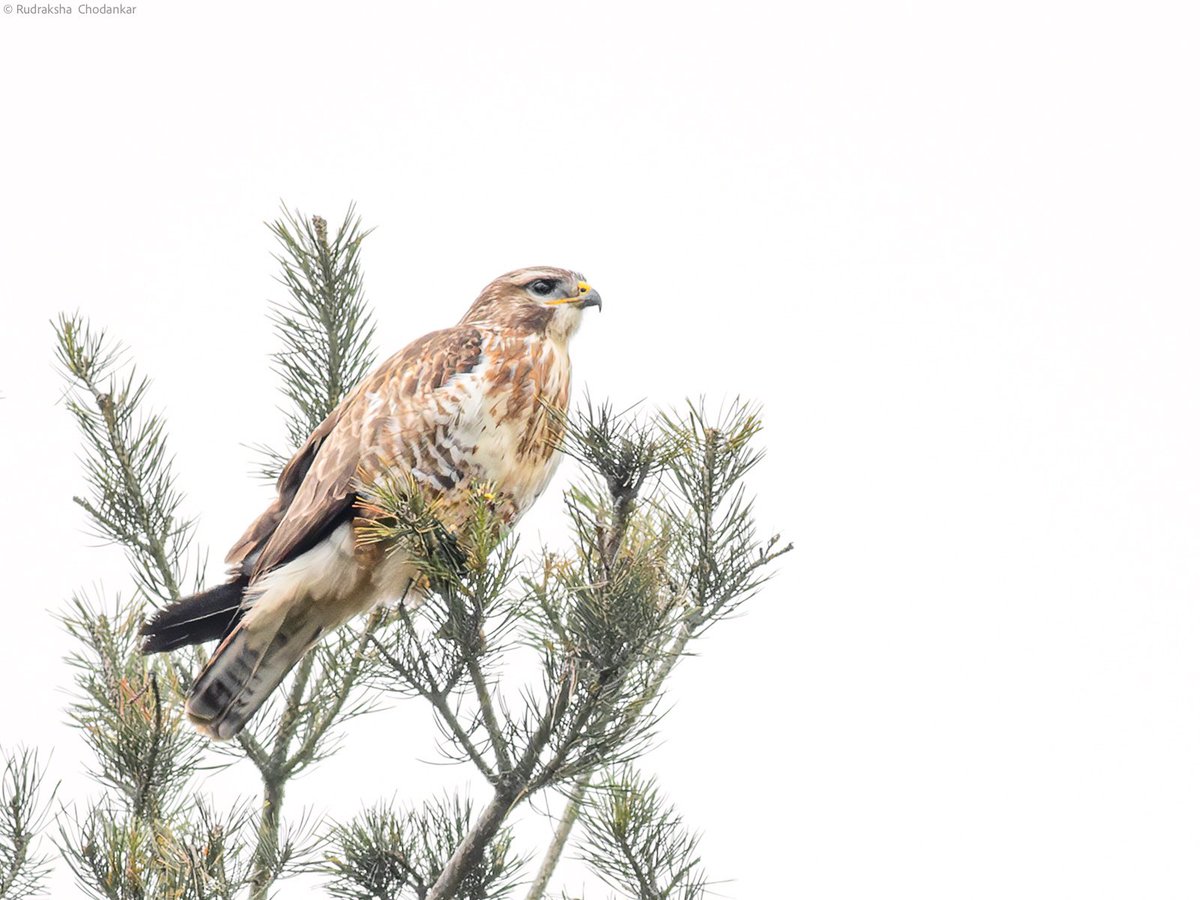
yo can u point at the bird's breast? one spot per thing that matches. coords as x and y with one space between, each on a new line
520 433
494 425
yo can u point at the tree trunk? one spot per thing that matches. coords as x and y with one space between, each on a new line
266 852
471 850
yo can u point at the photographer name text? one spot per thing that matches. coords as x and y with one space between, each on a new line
65 9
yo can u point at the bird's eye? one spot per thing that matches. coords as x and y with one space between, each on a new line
542 287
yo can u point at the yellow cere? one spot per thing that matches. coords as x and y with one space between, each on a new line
584 287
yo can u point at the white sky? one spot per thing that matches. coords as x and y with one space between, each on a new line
952 250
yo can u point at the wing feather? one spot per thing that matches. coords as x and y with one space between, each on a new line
384 420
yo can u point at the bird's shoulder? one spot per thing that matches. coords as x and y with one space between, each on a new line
419 403
432 360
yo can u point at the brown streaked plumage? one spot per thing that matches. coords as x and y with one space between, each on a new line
459 406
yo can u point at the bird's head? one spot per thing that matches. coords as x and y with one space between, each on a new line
543 299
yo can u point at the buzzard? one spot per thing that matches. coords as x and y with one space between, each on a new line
454 408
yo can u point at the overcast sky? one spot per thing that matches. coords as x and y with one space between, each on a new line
952 250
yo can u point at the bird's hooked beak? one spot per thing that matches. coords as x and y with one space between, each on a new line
587 296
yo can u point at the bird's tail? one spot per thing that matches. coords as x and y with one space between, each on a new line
243 671
201 617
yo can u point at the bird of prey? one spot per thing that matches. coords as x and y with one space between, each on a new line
455 408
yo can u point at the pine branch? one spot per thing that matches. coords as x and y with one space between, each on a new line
147 836
463 621
720 562
487 710
132 499
118 857
717 563
143 750
23 814
637 844
385 855
325 328
562 835
139 839
421 683
332 708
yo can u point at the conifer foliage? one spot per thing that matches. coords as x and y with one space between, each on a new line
662 546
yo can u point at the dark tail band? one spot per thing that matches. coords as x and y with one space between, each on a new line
206 616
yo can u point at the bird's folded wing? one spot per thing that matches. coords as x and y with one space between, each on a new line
403 406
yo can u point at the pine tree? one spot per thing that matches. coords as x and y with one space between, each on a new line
663 546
